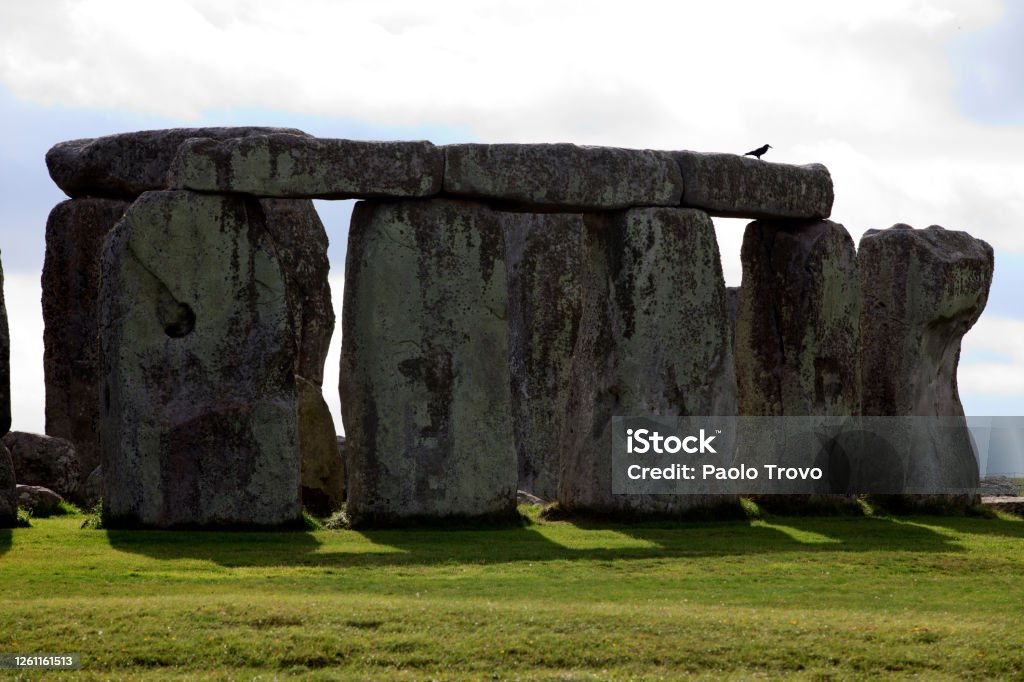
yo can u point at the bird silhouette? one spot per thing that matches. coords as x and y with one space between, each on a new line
759 151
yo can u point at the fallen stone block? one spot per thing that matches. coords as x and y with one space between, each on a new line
39 500
653 340
44 461
424 367
199 420
563 176
127 164
736 186
283 165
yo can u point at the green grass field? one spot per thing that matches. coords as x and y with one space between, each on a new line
814 598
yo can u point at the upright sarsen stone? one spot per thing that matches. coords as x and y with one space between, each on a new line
797 320
923 290
5 363
75 232
543 261
8 490
653 340
424 370
199 356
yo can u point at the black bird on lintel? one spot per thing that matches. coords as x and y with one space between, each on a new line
759 151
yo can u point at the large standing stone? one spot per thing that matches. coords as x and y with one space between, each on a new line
797 320
8 490
653 340
424 370
5 363
543 262
744 187
323 470
923 289
128 164
199 423
562 175
301 243
44 461
75 232
283 165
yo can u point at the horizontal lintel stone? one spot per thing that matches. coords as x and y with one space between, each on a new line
293 166
125 165
735 186
562 175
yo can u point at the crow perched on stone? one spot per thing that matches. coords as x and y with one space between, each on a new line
759 151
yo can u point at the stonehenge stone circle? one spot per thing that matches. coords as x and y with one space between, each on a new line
424 369
502 304
797 320
75 232
199 352
653 340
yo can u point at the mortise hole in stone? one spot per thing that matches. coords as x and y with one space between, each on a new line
180 322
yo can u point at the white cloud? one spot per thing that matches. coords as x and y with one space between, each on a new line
22 294
993 335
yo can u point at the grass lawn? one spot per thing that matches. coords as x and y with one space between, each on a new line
818 598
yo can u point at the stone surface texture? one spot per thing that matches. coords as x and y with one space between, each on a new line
797 321
653 340
75 232
999 486
200 415
45 461
742 187
128 164
923 290
8 493
301 243
37 499
323 470
424 372
297 166
543 263
562 175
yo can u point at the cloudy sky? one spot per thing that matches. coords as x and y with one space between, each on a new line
916 107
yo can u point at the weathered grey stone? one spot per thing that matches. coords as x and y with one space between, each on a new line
199 421
301 243
923 290
562 175
282 165
424 372
5 363
8 492
75 232
543 263
323 471
653 340
742 187
44 461
797 320
128 164
91 492
38 499
998 486
732 304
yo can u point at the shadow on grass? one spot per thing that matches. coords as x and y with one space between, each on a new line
547 542
976 525
5 540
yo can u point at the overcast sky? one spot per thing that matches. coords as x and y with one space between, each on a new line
916 107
